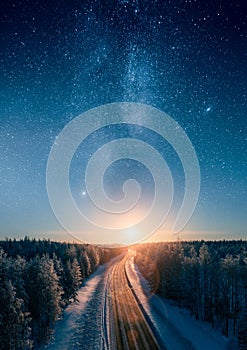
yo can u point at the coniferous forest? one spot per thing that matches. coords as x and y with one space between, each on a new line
38 279
207 278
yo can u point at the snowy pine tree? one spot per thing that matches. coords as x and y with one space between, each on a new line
71 279
242 331
15 328
45 297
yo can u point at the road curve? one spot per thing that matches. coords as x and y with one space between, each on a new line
130 328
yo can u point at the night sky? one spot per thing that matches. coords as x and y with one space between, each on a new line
59 59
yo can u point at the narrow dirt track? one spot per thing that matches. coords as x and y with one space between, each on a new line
129 325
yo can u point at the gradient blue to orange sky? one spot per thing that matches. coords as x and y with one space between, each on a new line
60 59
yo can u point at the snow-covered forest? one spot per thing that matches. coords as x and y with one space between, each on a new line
38 279
207 278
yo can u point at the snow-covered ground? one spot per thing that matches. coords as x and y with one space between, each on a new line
177 330
86 323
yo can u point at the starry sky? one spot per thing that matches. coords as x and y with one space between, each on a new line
59 59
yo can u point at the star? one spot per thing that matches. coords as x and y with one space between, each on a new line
99 55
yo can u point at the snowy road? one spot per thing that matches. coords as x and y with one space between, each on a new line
115 311
130 327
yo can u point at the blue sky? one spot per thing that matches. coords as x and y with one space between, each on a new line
60 60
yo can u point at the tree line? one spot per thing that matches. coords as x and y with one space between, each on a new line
207 278
38 279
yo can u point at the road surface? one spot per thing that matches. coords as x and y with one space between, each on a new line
130 327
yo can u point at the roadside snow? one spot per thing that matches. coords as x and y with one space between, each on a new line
82 326
66 328
177 330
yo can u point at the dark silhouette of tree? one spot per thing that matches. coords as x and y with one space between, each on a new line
242 331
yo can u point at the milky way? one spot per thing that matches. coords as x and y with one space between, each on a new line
184 58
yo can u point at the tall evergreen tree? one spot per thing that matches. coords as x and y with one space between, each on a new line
45 297
71 279
242 332
15 328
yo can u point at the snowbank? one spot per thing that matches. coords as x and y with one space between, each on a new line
82 326
66 327
178 330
